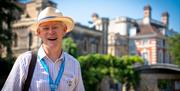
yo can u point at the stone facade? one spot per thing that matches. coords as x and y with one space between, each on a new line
88 40
153 75
117 44
24 38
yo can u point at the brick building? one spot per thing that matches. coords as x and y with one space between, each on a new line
145 37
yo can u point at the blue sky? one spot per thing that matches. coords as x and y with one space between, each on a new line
81 10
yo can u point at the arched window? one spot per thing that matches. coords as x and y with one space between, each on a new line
85 45
30 40
15 40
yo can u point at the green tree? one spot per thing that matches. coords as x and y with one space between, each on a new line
174 48
96 66
70 46
128 76
8 13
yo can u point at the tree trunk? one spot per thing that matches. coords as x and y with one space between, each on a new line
124 87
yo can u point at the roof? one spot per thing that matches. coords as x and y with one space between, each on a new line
148 29
21 5
160 68
82 29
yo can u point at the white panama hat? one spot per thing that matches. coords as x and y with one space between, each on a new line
53 14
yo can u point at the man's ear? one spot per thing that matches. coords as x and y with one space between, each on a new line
38 32
65 29
64 33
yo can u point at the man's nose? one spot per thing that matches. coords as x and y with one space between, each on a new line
51 30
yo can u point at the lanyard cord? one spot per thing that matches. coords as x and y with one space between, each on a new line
53 84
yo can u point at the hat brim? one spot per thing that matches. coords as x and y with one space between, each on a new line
66 20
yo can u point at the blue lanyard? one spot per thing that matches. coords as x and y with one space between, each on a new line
53 84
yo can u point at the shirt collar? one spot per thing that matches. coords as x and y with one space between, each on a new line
42 54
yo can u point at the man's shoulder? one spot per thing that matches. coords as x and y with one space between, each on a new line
70 57
26 54
25 57
71 61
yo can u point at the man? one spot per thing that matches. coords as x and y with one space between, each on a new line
55 69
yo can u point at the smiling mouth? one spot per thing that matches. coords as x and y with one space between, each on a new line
52 39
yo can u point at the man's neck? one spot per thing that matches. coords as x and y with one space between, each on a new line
53 53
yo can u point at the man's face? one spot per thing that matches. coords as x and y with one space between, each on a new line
52 33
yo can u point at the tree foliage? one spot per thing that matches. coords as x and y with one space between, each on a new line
5 65
70 46
8 10
96 66
174 48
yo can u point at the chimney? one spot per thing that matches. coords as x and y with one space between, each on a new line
147 11
165 19
94 17
105 24
97 22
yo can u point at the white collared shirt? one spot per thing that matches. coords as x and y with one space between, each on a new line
71 79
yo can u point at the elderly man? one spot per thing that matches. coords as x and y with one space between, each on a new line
55 70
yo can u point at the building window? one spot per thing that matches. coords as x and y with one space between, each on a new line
15 40
164 43
166 85
145 57
160 43
97 47
111 40
177 85
167 57
93 48
145 41
85 45
132 46
160 57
